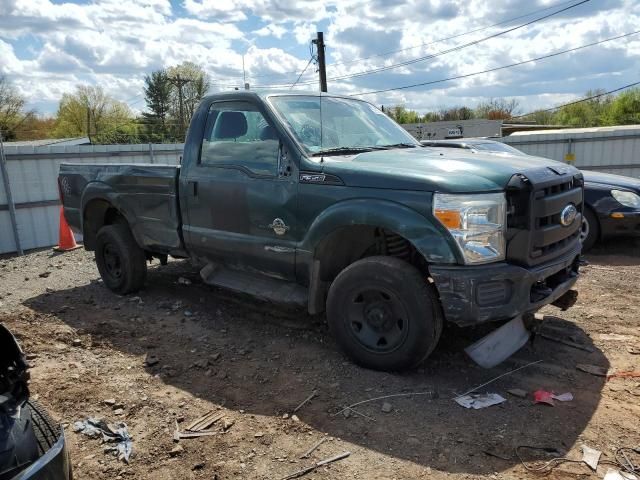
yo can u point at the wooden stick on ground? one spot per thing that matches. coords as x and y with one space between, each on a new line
311 468
315 445
313 394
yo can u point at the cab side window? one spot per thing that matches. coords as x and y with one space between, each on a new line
237 134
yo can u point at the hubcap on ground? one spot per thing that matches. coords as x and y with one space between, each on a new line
377 320
112 261
584 229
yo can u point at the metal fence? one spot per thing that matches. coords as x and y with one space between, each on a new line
605 149
32 172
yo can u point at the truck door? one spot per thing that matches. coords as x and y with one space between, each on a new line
240 201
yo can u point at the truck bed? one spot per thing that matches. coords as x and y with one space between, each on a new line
147 195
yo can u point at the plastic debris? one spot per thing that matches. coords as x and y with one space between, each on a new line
542 396
478 401
518 392
591 457
500 344
116 433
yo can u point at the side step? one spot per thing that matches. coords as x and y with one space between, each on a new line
256 285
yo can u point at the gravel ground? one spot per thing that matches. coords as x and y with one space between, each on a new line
255 362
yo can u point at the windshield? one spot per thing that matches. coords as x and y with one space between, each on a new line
496 147
346 125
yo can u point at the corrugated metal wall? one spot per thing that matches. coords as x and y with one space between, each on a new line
607 149
33 173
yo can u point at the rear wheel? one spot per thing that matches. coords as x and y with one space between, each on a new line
121 262
589 230
384 314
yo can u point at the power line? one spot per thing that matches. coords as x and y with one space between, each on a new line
444 52
555 54
301 73
439 40
579 101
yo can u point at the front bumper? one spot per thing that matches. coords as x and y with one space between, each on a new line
53 465
627 226
501 291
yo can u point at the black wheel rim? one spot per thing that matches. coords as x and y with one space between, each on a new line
377 320
112 261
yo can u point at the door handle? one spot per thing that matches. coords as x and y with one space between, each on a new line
194 187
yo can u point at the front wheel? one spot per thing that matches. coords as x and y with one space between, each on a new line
589 230
121 262
384 314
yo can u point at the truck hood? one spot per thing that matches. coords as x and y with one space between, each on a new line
434 169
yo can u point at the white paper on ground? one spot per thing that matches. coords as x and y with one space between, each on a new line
478 401
565 397
591 457
617 475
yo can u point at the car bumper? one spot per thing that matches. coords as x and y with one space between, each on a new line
628 225
53 465
475 294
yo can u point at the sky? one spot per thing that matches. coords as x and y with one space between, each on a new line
48 47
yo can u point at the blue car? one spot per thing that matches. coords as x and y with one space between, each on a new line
32 445
612 202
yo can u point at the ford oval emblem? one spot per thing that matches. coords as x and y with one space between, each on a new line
568 214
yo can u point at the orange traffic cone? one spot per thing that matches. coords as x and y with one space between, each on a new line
66 239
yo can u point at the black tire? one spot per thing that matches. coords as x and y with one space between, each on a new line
384 314
18 443
589 230
121 262
46 430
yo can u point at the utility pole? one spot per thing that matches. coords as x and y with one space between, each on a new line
322 68
88 123
179 83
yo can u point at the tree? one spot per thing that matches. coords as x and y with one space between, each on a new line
90 112
497 109
12 112
157 93
191 83
624 109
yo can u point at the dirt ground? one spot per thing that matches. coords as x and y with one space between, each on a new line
256 362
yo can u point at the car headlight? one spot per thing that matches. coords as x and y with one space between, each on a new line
476 222
628 199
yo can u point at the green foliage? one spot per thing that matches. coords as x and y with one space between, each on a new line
12 112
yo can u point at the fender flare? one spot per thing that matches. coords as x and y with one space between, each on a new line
429 239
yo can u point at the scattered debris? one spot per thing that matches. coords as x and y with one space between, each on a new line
496 378
313 448
518 392
311 468
568 343
629 374
564 397
151 360
177 450
227 424
295 418
592 369
184 281
109 402
117 433
44 274
498 452
478 401
591 457
542 396
500 344
205 421
350 407
313 394
617 475
387 407
76 342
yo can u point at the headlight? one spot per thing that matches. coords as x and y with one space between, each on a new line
477 223
628 199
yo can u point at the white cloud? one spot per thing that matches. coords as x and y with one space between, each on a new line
271 30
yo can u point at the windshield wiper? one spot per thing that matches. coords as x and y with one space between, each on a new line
343 150
396 145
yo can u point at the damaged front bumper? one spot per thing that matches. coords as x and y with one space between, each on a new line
501 291
54 464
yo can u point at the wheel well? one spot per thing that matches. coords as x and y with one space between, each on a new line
595 215
97 214
346 245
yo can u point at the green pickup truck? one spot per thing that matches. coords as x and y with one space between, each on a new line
324 201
